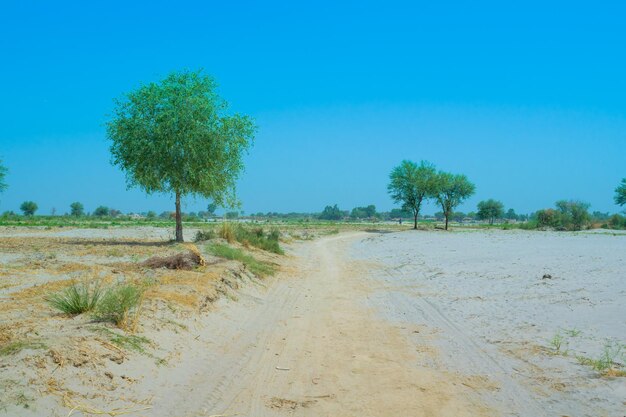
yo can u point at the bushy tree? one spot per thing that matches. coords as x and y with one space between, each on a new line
511 215
77 209
151 215
232 215
569 215
29 208
620 193
452 190
331 213
490 210
410 184
368 212
211 209
574 214
101 211
174 136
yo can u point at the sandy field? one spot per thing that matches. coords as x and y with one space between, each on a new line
460 323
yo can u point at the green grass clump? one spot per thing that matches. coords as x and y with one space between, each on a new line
17 346
255 266
76 299
120 305
258 238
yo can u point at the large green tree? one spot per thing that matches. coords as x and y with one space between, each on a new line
490 210
620 193
175 136
452 190
410 184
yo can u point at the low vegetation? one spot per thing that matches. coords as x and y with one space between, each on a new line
121 305
255 266
248 236
610 362
17 346
76 299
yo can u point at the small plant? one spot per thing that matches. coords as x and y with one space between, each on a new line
76 299
557 342
573 332
203 235
120 305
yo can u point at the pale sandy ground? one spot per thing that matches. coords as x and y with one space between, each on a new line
492 314
399 324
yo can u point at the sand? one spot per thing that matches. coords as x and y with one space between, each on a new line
373 324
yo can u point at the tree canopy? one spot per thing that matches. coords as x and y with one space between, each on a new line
490 210
29 208
77 209
175 136
332 213
410 184
452 190
620 193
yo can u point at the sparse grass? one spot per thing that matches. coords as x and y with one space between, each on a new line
129 342
572 332
76 299
557 342
121 305
17 346
607 364
255 266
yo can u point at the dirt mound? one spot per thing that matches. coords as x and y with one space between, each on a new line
184 260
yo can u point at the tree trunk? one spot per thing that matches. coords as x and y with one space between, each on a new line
179 220
415 221
446 222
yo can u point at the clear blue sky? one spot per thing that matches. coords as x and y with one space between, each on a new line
527 99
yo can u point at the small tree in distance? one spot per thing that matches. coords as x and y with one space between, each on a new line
490 210
331 213
620 193
29 208
101 211
174 136
410 184
452 190
77 209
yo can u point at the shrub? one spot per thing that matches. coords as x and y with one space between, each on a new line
77 298
227 232
202 235
617 222
120 305
548 218
256 237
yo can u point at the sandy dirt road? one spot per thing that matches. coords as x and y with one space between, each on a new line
311 345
